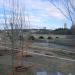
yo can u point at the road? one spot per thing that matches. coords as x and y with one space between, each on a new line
47 45
41 54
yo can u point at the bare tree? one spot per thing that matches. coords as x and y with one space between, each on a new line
67 8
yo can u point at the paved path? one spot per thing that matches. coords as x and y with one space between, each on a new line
50 56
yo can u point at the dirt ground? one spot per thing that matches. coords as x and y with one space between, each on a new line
41 63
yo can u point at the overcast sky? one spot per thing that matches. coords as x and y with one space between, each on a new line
37 13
